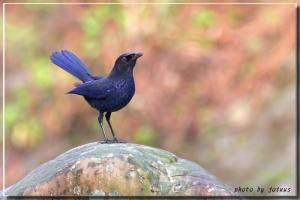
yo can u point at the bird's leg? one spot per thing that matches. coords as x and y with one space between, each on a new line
100 120
107 116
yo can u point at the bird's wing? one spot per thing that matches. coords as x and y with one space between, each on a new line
72 64
97 77
93 77
98 89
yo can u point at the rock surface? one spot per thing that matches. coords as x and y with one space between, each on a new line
118 170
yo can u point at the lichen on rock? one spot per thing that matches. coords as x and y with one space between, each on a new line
120 169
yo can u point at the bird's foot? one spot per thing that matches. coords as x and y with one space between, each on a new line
113 141
105 141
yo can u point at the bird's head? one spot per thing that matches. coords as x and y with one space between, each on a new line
128 58
125 63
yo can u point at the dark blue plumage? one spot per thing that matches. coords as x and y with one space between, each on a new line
72 64
106 94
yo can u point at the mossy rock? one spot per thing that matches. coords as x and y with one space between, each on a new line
119 169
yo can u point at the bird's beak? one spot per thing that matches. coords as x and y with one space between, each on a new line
137 55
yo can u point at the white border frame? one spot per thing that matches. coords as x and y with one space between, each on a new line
89 3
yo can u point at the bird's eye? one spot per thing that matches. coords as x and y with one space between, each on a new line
129 57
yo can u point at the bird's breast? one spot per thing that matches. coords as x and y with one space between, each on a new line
124 91
118 96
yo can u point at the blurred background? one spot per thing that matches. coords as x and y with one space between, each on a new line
216 85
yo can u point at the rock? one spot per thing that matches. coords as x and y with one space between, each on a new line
118 169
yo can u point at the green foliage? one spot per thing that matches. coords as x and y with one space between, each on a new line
145 135
25 37
205 42
269 177
271 17
91 26
248 70
275 176
42 73
12 113
255 45
234 16
14 109
25 133
94 21
36 132
41 8
169 10
206 118
205 18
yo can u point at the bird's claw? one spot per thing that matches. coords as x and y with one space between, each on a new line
107 141
115 140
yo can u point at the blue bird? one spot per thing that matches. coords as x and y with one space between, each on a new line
107 94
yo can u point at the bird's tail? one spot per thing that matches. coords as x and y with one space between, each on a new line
72 64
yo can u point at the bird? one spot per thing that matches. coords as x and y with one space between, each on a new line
106 94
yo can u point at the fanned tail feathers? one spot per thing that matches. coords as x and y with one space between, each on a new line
72 64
